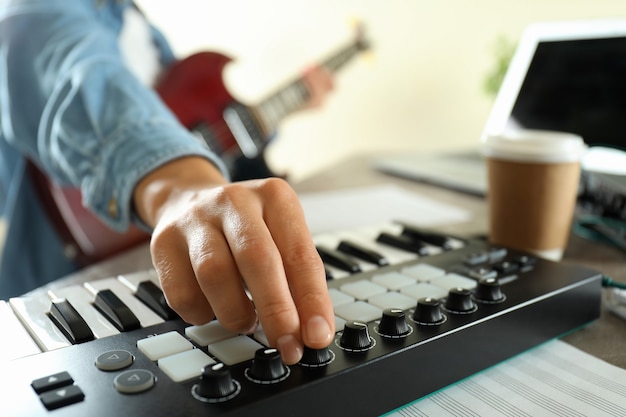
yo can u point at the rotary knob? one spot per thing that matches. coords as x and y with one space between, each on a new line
393 323
427 312
460 301
355 337
267 366
489 291
314 358
216 384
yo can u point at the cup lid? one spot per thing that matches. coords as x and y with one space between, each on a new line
534 146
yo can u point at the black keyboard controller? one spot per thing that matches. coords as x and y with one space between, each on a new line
383 357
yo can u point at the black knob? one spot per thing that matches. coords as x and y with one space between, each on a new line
216 382
489 290
355 336
427 311
460 301
393 323
316 357
267 365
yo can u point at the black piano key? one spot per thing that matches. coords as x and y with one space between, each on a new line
338 260
403 242
363 253
428 236
67 319
116 311
329 275
152 296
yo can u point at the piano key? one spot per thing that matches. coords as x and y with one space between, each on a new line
32 311
430 237
133 279
73 326
146 316
149 293
404 243
17 342
331 241
335 273
116 311
338 259
362 252
367 238
82 301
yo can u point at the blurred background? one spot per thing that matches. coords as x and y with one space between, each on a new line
424 85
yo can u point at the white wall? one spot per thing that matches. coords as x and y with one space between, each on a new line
421 88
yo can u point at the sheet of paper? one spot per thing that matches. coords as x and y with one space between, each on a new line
554 379
330 211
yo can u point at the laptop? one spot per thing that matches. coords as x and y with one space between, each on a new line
565 76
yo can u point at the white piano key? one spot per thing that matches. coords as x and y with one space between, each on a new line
132 280
32 312
146 316
80 299
17 342
336 273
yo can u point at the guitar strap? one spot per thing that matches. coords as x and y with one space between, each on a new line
86 238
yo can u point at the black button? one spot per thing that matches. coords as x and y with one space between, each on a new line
51 382
62 397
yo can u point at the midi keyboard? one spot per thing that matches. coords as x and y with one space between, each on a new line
415 312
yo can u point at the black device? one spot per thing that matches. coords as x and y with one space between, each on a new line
489 304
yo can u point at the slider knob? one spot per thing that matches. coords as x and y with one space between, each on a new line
460 301
355 337
489 291
427 312
313 358
216 384
267 365
393 323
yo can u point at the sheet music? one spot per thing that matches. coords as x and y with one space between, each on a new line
554 379
351 208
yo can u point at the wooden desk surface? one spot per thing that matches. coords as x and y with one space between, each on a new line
605 338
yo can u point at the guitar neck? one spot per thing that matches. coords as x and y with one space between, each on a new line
295 94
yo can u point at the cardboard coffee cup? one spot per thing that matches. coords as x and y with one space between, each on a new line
533 185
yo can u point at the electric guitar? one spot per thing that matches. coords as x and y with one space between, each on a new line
194 90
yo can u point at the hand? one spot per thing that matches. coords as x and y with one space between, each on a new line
212 240
319 82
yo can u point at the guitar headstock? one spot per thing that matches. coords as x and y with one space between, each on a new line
361 41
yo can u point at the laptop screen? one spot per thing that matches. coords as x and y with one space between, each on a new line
567 77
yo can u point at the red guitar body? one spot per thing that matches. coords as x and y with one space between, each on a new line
194 90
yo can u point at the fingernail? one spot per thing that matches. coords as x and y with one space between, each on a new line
317 331
290 349
252 329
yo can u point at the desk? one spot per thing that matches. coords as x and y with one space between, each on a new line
605 338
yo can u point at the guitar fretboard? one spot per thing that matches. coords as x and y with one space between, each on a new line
293 96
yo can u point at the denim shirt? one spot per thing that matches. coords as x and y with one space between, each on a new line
70 104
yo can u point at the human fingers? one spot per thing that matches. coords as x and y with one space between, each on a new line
196 269
259 263
302 265
220 280
319 82
170 258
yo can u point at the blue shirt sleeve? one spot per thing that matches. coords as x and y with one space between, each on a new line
69 103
